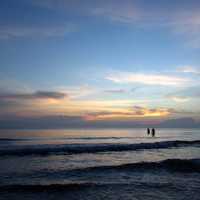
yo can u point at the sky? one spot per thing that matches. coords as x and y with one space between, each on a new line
130 60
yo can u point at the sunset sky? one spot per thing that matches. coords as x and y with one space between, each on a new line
100 60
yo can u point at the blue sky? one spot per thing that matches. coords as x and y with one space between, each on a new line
107 59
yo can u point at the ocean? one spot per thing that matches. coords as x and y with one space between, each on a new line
100 164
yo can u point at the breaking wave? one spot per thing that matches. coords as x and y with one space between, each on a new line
172 165
94 148
176 165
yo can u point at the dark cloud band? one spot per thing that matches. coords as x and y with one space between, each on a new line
35 95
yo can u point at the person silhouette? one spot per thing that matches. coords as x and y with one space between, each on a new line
153 132
148 131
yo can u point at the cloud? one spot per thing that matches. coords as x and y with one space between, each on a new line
134 112
115 91
78 92
187 23
126 12
183 19
185 94
191 92
52 121
121 91
37 103
189 69
67 121
179 99
45 31
147 79
12 86
35 95
151 112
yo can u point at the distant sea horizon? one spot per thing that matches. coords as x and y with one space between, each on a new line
63 123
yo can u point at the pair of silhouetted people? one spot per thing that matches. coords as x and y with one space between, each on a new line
152 132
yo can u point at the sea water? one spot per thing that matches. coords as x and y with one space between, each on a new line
100 164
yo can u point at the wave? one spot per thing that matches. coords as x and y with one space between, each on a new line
77 186
94 148
176 165
172 165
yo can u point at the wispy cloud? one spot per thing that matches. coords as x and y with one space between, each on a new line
126 12
179 99
115 91
35 95
78 92
11 31
148 79
188 69
135 112
187 24
183 19
185 95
